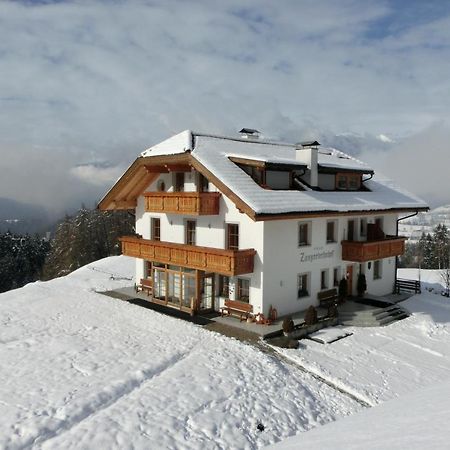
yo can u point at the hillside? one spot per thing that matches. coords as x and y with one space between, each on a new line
22 218
83 370
424 223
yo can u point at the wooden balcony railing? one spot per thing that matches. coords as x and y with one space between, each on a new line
195 203
373 250
225 262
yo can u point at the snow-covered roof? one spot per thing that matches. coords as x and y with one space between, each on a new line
335 159
214 152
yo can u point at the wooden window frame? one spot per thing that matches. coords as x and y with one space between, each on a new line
178 185
243 292
155 225
302 243
333 240
344 181
232 239
224 286
190 234
202 183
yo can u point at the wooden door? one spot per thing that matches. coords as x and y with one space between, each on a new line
350 279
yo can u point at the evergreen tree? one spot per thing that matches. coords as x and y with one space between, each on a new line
441 246
426 245
21 259
88 236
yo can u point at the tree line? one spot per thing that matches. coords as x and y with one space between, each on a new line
87 236
431 252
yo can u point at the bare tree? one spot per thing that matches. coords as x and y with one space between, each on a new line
445 277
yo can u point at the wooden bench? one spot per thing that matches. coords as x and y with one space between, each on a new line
407 285
328 297
240 309
145 285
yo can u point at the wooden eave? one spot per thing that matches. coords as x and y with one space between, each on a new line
144 170
132 184
328 213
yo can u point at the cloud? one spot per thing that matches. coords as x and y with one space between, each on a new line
97 174
420 163
100 81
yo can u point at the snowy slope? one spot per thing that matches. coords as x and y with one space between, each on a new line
82 370
409 359
416 421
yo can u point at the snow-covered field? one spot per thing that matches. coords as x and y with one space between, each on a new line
82 370
406 365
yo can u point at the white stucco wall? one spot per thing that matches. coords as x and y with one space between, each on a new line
282 268
279 260
210 232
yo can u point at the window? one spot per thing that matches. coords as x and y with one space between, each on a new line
348 181
232 238
224 286
331 231
148 269
179 182
303 234
303 285
202 185
336 276
156 229
243 291
377 270
190 232
324 279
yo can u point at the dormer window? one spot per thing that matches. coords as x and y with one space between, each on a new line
348 181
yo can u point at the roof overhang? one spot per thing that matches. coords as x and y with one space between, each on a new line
338 169
144 170
268 165
330 213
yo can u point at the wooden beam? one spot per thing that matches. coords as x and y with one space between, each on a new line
124 204
126 183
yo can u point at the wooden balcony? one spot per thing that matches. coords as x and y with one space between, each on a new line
373 250
225 262
193 203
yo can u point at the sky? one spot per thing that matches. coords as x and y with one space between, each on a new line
85 86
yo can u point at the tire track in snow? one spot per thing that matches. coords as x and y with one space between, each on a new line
101 401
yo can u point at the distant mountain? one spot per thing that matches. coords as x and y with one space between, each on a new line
21 218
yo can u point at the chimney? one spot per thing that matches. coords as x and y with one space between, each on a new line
308 153
249 133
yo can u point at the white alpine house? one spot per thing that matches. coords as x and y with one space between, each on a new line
265 223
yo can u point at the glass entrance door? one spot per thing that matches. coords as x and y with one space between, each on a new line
173 288
207 292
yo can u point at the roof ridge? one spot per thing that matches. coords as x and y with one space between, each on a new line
245 140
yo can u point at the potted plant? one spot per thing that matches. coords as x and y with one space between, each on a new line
311 316
288 326
361 285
